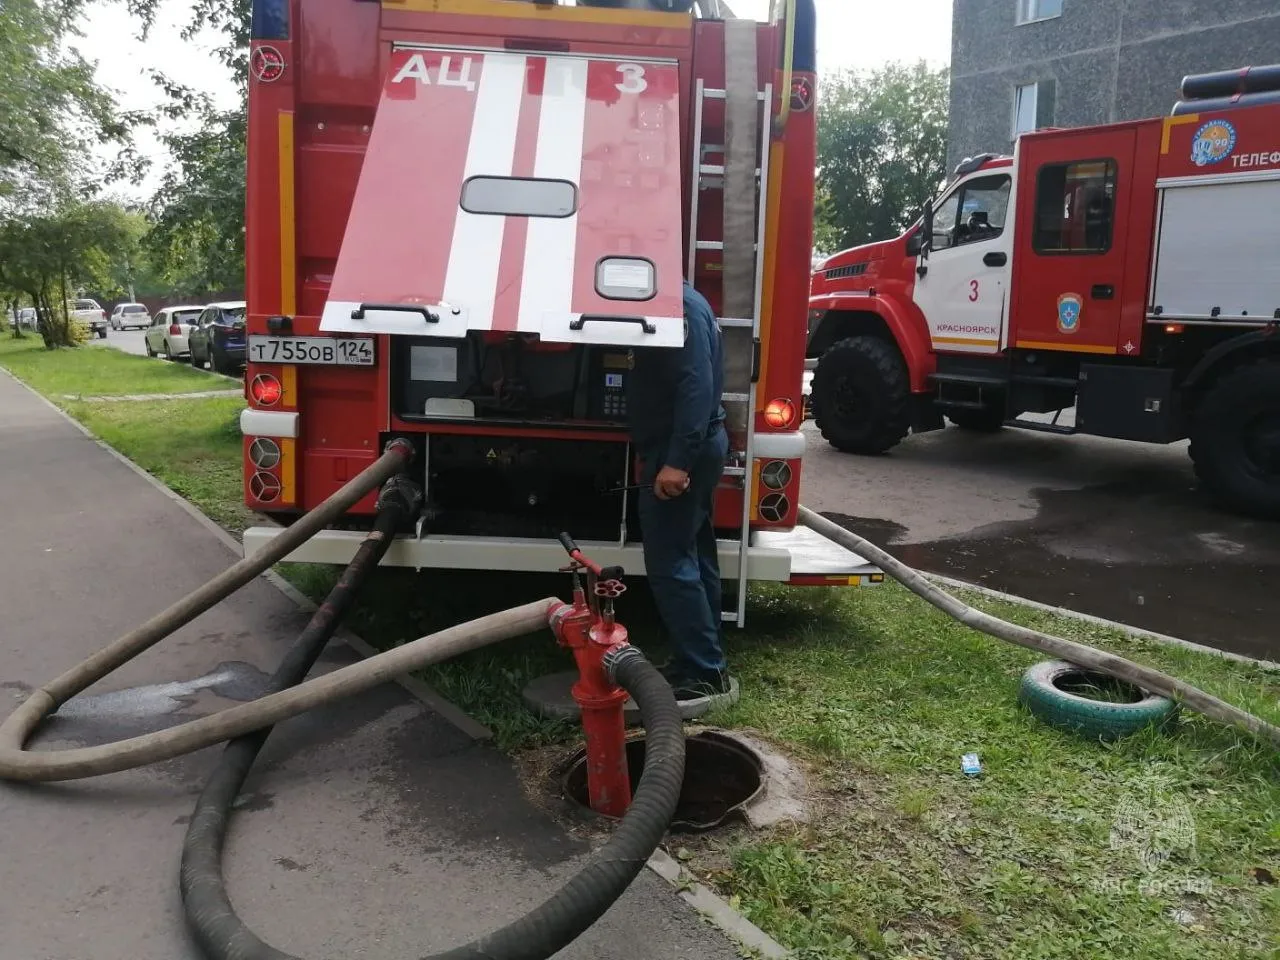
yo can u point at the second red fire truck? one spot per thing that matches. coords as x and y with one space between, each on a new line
1128 271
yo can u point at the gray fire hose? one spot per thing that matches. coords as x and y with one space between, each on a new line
1069 650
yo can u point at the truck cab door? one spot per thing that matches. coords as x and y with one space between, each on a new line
1072 233
962 283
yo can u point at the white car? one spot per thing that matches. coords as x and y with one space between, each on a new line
90 313
170 327
127 316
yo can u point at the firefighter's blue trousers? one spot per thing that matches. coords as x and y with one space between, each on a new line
682 564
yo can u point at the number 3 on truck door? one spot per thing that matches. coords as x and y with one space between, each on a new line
633 78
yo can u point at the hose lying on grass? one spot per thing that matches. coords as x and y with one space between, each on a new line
1078 653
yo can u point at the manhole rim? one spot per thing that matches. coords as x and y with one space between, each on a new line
718 736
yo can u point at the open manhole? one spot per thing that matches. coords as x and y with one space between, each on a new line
721 776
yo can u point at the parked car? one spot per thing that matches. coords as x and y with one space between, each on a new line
128 316
89 313
170 331
27 317
219 339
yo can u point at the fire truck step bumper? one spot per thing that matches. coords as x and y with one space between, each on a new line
799 556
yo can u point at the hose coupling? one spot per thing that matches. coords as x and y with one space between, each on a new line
402 446
619 655
402 494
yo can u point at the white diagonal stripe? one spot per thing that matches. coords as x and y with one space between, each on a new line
471 281
547 284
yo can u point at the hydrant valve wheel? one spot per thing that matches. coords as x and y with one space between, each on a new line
610 589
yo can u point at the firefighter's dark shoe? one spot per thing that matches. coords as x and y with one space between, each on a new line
707 686
696 696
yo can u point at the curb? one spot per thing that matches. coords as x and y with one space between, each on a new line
1138 633
712 908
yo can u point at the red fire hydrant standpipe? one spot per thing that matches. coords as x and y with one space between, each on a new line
588 629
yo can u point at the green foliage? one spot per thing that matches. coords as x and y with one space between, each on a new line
50 107
50 256
882 145
197 241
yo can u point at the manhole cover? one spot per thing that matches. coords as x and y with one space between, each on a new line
721 776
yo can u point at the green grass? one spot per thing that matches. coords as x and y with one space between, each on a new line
90 371
193 446
878 696
908 857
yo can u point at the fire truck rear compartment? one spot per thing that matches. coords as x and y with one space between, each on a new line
525 486
513 378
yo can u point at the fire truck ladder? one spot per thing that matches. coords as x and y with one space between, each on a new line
743 179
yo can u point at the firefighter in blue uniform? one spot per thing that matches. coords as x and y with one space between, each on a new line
677 425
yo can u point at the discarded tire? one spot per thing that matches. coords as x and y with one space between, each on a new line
1090 704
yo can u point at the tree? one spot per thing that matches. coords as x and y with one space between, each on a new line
197 242
51 256
882 146
50 107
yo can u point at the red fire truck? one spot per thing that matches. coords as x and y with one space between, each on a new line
463 216
1128 271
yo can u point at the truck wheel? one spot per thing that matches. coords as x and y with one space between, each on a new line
861 396
986 420
1235 440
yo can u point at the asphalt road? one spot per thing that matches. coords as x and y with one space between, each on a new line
130 341
1106 527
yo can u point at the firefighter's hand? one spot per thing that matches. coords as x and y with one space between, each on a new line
670 483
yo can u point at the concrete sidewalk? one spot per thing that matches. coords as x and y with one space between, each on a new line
372 829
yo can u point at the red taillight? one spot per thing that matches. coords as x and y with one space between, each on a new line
780 414
265 390
175 330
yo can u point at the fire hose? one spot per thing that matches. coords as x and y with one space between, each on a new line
1078 653
540 933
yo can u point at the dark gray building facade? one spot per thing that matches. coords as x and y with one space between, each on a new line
1023 64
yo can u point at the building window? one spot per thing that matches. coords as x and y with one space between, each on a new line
974 212
1033 106
1029 11
1075 207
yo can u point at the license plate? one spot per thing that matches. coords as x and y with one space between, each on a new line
333 351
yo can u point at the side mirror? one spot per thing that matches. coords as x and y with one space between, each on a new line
915 243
